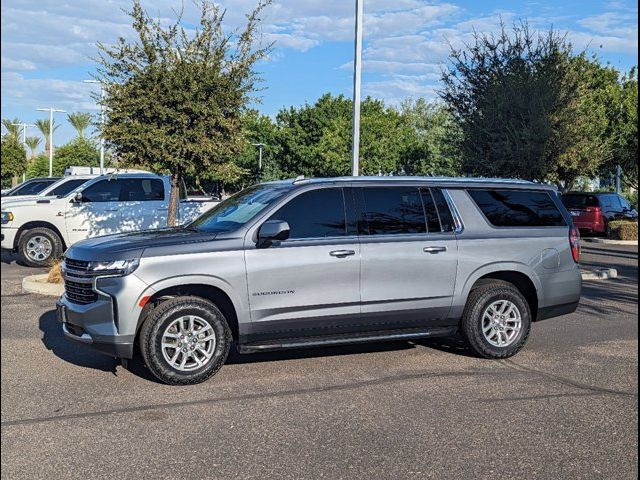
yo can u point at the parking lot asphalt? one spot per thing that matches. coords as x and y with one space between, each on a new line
565 407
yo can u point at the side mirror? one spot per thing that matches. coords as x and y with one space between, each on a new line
77 197
273 230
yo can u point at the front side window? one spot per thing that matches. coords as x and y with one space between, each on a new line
66 187
32 188
315 214
102 191
237 210
393 211
518 208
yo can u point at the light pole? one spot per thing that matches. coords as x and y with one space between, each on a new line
24 141
101 122
260 147
51 111
357 82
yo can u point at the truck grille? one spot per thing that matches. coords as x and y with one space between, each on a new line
81 293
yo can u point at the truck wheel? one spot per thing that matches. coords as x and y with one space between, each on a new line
185 340
496 320
39 247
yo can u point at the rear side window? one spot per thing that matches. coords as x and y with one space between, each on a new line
142 190
315 214
436 209
518 208
393 210
578 202
103 191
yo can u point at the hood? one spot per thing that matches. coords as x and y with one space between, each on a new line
127 246
26 200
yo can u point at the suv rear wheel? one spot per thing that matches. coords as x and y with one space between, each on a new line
496 320
185 340
39 247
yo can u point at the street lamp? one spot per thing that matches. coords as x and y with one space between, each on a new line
260 147
51 111
357 82
24 141
101 122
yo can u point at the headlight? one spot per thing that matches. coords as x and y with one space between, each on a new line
7 217
115 267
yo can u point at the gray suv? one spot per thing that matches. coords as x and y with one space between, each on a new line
319 262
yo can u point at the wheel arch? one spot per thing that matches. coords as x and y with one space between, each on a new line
38 224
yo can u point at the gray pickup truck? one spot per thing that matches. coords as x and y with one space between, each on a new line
320 262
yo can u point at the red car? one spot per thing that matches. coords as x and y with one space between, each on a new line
592 212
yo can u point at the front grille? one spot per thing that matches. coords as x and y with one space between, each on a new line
81 293
77 268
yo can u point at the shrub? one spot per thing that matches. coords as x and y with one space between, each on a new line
624 230
55 274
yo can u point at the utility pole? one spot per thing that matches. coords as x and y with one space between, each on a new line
24 142
357 82
260 147
101 121
51 111
618 179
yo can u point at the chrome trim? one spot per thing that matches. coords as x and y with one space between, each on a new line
342 253
84 338
434 250
457 219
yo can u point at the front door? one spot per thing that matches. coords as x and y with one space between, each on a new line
143 204
99 212
309 284
409 257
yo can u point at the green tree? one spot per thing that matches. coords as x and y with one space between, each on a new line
43 126
12 127
33 143
175 95
13 159
509 93
78 152
432 149
80 121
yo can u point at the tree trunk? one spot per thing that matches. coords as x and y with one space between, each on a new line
14 181
174 200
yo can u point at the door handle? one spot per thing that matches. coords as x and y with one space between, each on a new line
111 210
342 253
162 209
434 250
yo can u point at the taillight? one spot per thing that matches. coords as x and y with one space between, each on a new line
574 241
592 209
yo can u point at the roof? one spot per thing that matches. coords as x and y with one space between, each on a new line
453 182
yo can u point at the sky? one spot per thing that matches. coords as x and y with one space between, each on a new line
47 45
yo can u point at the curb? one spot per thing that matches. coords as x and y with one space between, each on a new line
606 241
599 274
38 284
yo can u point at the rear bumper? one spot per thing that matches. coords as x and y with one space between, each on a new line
598 227
557 310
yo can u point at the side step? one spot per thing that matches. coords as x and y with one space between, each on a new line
346 339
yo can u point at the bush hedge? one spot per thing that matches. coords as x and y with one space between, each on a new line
624 230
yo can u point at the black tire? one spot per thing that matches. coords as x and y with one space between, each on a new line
26 239
479 300
161 317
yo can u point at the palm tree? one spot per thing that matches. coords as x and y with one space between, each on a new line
80 121
11 125
32 143
43 125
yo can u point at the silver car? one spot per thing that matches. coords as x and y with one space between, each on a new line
320 262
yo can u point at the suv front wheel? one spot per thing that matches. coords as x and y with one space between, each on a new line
496 320
185 340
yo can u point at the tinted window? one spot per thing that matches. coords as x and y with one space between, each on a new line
32 188
103 191
578 202
66 187
446 218
315 214
142 190
510 208
393 210
433 219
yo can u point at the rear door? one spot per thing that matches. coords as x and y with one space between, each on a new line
409 256
310 283
143 204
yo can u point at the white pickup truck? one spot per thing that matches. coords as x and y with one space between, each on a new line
40 229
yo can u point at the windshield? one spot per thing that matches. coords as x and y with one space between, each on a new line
31 188
66 187
579 201
239 209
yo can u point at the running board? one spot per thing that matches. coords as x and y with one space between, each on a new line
346 339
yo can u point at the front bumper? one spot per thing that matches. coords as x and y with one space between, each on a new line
8 237
108 324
